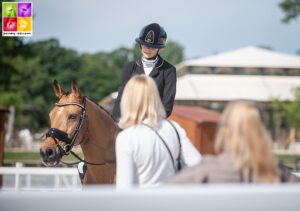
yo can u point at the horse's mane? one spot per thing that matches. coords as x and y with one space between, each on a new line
104 109
99 106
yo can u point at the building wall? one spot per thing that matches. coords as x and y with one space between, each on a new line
208 132
201 134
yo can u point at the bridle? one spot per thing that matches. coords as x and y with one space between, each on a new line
62 136
57 134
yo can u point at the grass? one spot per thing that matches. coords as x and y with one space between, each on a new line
19 156
289 160
29 158
33 158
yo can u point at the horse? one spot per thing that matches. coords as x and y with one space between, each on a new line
76 120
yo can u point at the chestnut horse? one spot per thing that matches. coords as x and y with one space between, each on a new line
76 120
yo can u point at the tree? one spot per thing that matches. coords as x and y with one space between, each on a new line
266 47
173 53
8 51
28 70
98 76
291 9
287 113
10 47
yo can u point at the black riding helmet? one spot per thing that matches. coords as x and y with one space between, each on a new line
152 36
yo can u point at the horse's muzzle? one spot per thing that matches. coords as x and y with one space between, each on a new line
50 156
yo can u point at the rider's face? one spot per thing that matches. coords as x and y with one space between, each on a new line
148 52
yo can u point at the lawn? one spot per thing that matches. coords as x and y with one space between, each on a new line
33 158
29 158
289 160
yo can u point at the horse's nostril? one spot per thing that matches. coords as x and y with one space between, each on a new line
49 152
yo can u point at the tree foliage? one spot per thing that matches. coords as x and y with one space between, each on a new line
291 9
27 71
286 113
173 52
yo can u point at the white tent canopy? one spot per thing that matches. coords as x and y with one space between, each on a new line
247 57
234 87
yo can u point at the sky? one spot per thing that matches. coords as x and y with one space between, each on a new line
202 27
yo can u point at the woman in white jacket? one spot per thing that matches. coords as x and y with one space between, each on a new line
148 147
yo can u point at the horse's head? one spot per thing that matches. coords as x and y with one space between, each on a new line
67 118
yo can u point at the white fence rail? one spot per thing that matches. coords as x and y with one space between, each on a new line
35 178
191 198
42 178
66 194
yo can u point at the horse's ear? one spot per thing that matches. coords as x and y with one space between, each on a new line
57 89
75 89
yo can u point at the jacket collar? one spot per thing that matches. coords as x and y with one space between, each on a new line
156 69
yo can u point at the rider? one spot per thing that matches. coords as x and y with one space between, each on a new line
152 38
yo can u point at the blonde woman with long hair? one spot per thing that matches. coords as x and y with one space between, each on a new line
148 146
244 147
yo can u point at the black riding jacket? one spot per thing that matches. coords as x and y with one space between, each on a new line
164 75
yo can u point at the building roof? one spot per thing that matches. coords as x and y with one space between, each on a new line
235 87
196 114
252 57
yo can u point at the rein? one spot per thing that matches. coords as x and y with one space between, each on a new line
57 134
87 162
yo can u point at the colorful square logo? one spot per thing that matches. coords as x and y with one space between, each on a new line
9 9
24 9
17 19
10 24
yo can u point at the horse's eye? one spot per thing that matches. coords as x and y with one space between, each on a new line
72 117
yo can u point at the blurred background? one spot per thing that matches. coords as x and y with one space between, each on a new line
223 51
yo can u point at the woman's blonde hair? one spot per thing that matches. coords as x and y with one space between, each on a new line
242 132
140 101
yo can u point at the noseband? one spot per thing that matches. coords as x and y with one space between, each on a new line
57 134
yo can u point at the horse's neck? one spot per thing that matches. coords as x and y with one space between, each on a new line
102 132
